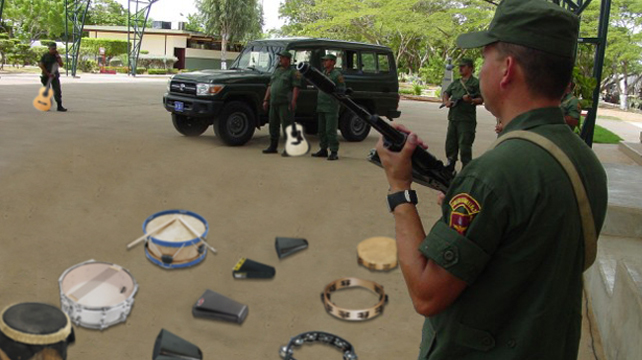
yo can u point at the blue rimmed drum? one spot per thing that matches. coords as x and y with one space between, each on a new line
178 243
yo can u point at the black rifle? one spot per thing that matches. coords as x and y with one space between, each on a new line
454 100
426 169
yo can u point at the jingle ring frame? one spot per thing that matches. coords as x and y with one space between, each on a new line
354 315
286 351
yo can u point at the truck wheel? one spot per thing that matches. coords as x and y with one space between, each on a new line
352 127
189 125
236 124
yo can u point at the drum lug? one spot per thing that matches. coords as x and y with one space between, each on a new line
167 259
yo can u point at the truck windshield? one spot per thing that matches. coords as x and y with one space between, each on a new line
261 58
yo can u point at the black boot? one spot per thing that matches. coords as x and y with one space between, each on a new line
272 148
321 153
451 165
333 156
60 108
284 154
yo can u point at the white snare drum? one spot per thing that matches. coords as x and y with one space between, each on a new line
97 294
175 245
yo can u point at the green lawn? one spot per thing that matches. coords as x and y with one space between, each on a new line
603 136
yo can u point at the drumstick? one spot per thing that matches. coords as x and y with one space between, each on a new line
188 226
133 243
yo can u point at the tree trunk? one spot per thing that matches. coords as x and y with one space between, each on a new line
224 51
624 87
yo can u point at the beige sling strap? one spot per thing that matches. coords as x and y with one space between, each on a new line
586 214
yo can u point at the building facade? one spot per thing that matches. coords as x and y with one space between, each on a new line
193 50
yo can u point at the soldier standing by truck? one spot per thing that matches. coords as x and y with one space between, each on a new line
280 99
328 111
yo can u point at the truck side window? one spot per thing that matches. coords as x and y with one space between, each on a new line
339 55
352 62
301 56
368 61
384 63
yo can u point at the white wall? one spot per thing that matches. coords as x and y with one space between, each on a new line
154 43
209 54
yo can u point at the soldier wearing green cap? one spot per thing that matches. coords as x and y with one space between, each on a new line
499 275
328 111
461 97
280 99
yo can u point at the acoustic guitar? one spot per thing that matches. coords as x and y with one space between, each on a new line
295 144
42 102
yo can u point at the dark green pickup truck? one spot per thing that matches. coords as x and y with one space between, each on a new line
231 100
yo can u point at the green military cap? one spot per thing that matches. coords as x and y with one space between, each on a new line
466 61
285 53
535 24
329 57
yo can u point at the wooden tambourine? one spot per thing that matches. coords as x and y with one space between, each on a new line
378 253
353 315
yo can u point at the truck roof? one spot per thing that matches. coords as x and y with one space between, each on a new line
303 41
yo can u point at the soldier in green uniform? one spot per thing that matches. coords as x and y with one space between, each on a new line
328 111
571 107
280 99
499 275
461 97
46 64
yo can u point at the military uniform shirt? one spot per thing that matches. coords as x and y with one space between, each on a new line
282 83
464 111
571 106
48 60
511 229
325 102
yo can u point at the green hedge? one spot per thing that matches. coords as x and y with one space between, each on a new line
157 71
112 47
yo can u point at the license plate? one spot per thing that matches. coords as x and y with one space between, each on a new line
179 106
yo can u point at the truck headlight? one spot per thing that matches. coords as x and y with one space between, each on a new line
208 89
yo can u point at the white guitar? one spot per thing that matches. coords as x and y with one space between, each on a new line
295 144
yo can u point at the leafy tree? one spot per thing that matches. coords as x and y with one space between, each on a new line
32 19
106 12
231 20
194 23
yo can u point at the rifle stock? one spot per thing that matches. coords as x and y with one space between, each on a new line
426 169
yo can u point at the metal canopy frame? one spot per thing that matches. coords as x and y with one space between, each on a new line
136 20
75 12
588 128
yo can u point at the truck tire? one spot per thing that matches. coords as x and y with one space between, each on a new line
352 127
236 124
189 125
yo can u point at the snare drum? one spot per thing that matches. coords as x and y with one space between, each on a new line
175 245
34 331
97 294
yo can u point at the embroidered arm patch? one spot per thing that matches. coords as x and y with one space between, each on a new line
464 208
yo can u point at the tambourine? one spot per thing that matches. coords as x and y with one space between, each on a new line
353 315
378 253
312 336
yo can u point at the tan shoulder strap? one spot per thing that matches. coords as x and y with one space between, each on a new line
586 214
461 81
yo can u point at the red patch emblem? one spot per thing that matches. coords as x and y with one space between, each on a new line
200 302
464 209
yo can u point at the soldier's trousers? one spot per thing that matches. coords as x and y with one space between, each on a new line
328 123
280 117
55 85
459 139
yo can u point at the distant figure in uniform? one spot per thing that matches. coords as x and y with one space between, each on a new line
328 111
499 275
280 99
571 107
461 97
46 63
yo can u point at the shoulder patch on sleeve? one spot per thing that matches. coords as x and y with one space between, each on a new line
340 78
464 208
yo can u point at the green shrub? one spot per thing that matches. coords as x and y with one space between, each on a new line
406 91
112 47
416 89
157 71
173 71
157 61
144 52
87 65
141 70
